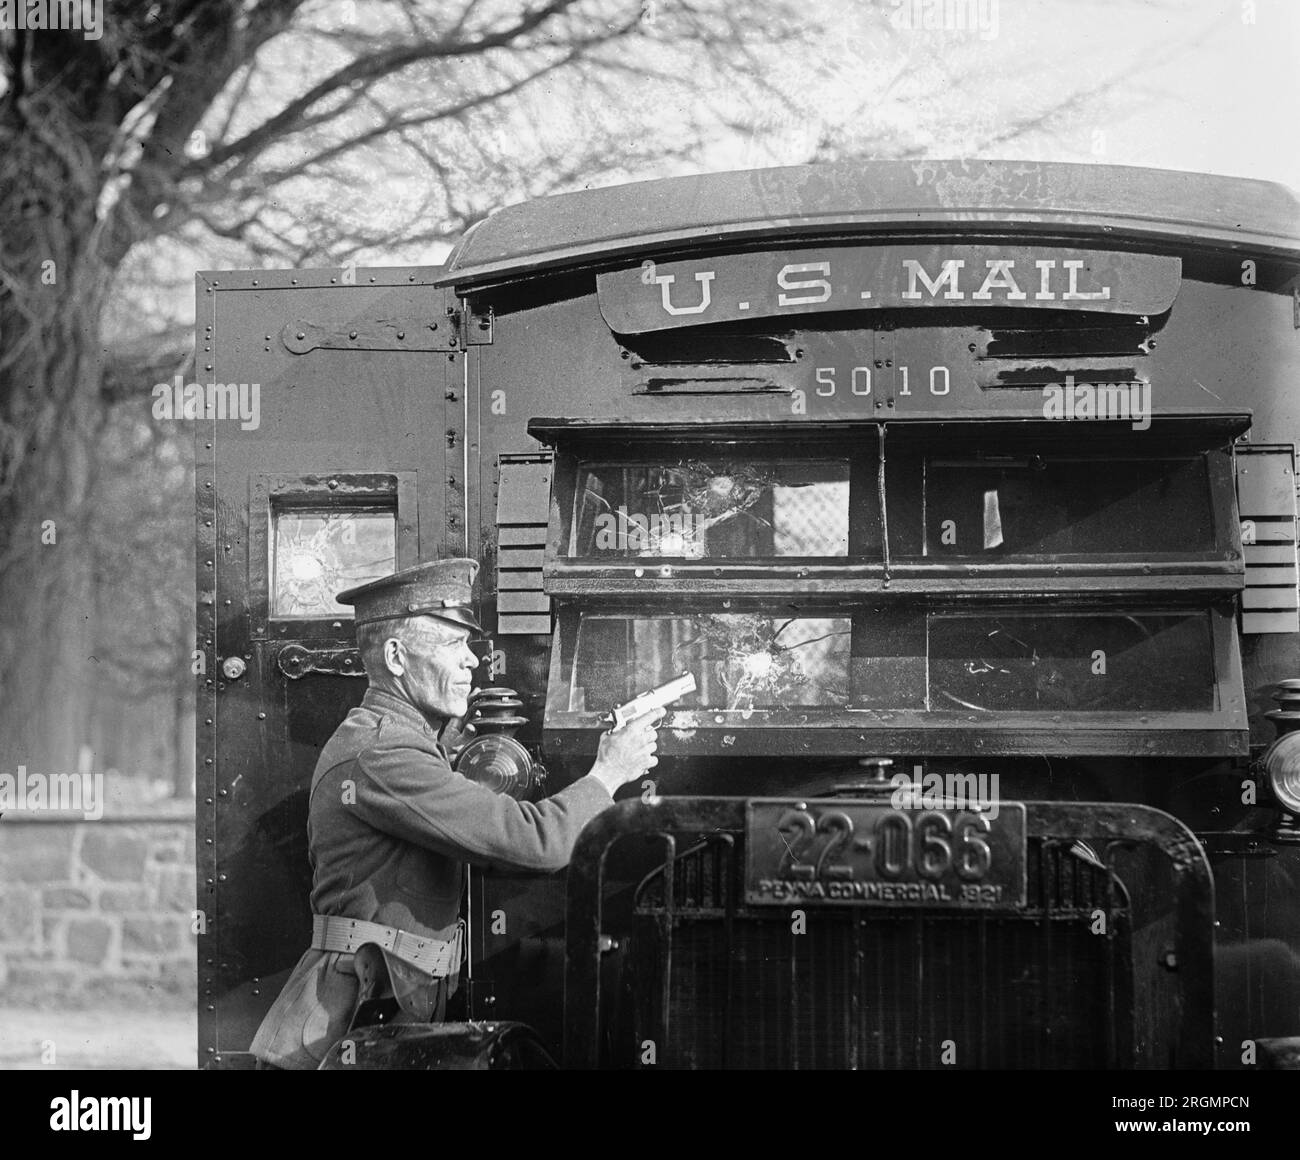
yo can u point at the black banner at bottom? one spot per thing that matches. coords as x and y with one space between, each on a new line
206 1111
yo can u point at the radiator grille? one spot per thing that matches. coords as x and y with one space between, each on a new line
714 984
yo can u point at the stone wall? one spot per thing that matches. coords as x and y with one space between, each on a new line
94 907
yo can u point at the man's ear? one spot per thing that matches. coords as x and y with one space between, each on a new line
394 656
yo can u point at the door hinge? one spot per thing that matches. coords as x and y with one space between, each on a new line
414 333
473 328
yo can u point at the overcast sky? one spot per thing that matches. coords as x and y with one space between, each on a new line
1204 85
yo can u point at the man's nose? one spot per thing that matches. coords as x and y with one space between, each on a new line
472 657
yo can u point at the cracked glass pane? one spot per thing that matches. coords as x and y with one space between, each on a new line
740 661
712 508
899 659
1102 662
320 554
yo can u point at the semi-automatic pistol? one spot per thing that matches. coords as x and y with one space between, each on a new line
657 698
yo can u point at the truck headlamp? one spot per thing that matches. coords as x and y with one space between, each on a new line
494 758
1282 764
501 764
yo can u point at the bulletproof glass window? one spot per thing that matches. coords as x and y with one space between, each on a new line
706 505
318 553
1071 662
740 661
958 578
900 657
1039 505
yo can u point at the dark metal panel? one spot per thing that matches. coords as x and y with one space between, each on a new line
1257 941
517 968
205 486
925 373
347 414
925 368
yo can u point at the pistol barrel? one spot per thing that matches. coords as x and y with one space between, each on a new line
657 698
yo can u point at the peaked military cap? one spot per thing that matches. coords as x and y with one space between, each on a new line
441 588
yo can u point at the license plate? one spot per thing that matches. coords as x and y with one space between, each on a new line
851 853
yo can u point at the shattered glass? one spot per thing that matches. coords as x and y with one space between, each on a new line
890 654
319 554
717 508
899 659
740 661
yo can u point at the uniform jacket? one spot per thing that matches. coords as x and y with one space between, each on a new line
390 826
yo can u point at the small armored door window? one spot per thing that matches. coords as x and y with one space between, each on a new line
312 537
319 553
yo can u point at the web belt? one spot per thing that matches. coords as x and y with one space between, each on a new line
330 932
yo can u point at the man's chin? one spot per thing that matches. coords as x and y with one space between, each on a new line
457 708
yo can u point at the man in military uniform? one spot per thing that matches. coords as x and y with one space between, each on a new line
390 825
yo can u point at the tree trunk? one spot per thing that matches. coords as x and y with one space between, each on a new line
52 290
46 598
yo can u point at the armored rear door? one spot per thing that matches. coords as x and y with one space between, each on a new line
329 415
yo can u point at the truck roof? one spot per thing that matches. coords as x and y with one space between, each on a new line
592 227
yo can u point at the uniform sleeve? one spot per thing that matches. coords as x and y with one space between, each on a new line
407 789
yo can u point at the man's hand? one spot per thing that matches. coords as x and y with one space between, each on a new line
628 753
